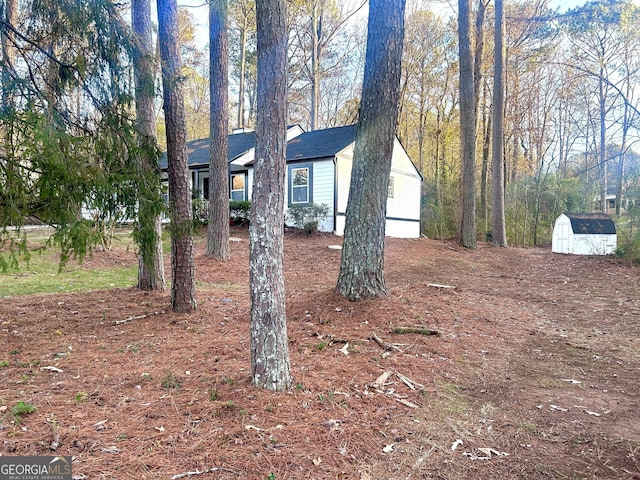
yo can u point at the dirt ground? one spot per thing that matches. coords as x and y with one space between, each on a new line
534 373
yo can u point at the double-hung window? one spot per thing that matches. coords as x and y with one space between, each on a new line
238 190
300 181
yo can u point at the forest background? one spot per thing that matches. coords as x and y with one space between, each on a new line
571 100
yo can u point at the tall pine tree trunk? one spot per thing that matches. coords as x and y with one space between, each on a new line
362 267
479 53
270 366
149 229
316 33
218 230
467 126
10 16
499 231
602 153
241 80
183 287
484 172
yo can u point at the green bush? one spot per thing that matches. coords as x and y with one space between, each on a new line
200 211
239 211
307 217
628 246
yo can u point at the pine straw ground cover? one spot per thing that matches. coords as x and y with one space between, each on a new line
533 373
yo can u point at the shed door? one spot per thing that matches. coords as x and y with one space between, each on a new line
563 238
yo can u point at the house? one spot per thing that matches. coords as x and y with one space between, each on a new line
611 199
584 234
318 171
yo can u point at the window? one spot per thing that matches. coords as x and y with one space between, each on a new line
390 188
238 181
300 181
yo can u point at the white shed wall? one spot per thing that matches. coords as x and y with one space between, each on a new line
593 244
565 241
561 235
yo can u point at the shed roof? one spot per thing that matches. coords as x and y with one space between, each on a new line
591 223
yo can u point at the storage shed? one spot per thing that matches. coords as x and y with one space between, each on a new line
584 234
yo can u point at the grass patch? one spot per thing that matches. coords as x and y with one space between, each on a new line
450 401
41 275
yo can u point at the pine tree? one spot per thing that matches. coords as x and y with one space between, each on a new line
218 229
362 267
183 289
270 366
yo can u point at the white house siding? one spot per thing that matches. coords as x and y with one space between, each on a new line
250 184
403 209
343 165
322 189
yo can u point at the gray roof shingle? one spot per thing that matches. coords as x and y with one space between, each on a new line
320 143
306 146
591 223
198 150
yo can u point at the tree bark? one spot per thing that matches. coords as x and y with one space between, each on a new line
9 15
149 229
484 172
362 267
479 52
499 233
467 127
183 290
270 366
602 152
218 229
316 35
241 80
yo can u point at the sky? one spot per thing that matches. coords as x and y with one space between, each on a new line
200 11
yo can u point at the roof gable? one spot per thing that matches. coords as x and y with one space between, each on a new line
591 223
320 143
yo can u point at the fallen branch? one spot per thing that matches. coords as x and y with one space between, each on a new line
420 330
384 345
438 285
412 384
137 317
405 402
201 472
